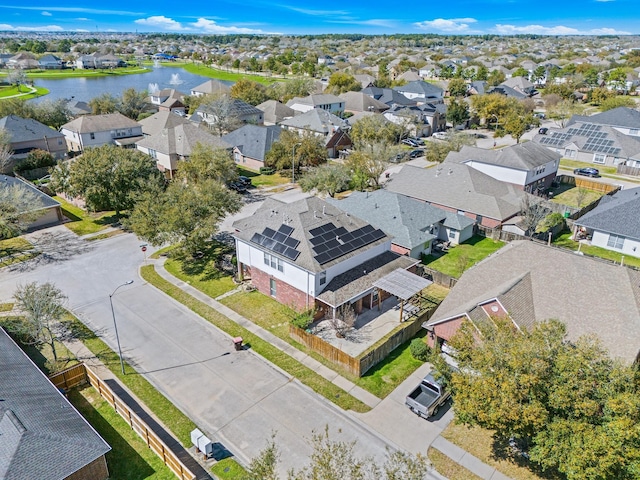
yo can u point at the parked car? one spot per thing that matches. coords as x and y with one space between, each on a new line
428 397
410 142
419 141
543 130
587 172
246 181
416 153
440 135
238 187
398 157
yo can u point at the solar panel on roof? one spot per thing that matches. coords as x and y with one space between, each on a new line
279 248
347 237
314 232
320 248
322 258
268 232
286 229
367 229
279 237
341 231
291 242
291 253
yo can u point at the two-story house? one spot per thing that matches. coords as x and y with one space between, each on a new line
309 254
94 130
421 92
323 101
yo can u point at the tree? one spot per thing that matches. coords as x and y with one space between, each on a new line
209 163
16 77
43 307
107 177
599 95
515 125
375 129
538 74
104 103
457 87
19 206
329 178
532 213
295 150
563 111
341 82
249 91
187 213
616 102
568 402
520 72
438 151
369 162
496 77
52 113
457 112
132 103
5 151
221 116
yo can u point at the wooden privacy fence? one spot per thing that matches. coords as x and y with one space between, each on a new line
369 358
81 374
627 170
438 277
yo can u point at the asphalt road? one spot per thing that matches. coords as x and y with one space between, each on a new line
236 398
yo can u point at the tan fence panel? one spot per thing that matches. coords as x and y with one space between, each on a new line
438 277
70 377
627 170
595 186
325 349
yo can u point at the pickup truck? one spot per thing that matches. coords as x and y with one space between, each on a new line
426 398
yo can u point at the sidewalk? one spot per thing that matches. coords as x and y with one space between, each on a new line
454 452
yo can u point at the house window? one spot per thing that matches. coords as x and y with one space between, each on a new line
266 258
479 218
599 158
569 153
92 136
153 153
452 234
323 278
273 262
272 287
615 241
59 141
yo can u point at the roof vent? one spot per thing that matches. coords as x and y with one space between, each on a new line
315 214
450 172
323 209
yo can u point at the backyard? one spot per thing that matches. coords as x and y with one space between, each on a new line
565 241
463 256
262 180
575 197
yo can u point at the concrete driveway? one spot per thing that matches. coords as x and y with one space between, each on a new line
235 397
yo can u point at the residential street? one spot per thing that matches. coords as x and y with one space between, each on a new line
235 397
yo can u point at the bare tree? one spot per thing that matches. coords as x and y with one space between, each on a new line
344 321
532 212
220 114
18 207
5 151
581 196
42 305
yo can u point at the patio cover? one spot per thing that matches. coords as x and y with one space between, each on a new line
402 283
128 141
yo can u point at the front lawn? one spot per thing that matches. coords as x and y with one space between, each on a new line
202 273
14 250
228 469
480 443
83 222
129 458
572 164
260 180
565 241
448 468
463 256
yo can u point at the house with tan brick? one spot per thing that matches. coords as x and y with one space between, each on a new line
310 254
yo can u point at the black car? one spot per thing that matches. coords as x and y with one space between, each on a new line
246 181
416 153
238 187
543 130
587 172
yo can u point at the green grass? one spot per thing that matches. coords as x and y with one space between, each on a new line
463 256
307 376
204 71
6 307
259 180
262 310
448 468
565 241
571 197
228 469
167 412
83 222
571 164
202 273
23 93
70 73
14 246
129 458
383 378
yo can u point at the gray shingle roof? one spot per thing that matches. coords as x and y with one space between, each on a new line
181 140
252 140
316 99
361 102
212 87
507 91
41 435
617 117
316 120
459 187
405 219
537 283
275 112
302 215
421 88
618 214
26 129
99 123
388 96
522 156
44 201
161 120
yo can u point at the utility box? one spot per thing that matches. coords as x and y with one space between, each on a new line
201 442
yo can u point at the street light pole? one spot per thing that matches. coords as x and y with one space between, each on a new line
115 325
293 162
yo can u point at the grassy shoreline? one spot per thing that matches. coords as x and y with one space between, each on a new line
71 73
212 72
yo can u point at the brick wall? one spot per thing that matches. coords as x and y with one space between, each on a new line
96 470
399 249
285 293
445 330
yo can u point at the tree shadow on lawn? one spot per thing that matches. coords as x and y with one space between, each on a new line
123 461
503 449
204 265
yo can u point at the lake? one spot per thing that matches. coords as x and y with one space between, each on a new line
87 88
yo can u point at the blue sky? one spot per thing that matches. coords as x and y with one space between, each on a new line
563 17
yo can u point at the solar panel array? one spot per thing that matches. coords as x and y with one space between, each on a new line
331 242
279 241
597 140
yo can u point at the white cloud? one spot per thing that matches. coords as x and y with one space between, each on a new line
555 30
160 21
209 26
76 9
308 11
46 14
605 1
374 22
451 25
43 28
82 19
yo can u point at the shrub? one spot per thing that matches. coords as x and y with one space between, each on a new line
419 350
302 319
267 171
35 159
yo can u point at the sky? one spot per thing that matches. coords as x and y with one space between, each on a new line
505 17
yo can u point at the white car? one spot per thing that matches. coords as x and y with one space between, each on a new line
440 135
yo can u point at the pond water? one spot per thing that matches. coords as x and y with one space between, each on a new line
85 89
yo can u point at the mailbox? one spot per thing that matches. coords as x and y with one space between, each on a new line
201 442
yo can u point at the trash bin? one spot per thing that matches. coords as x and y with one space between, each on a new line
237 343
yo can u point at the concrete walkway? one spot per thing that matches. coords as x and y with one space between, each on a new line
451 450
348 386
